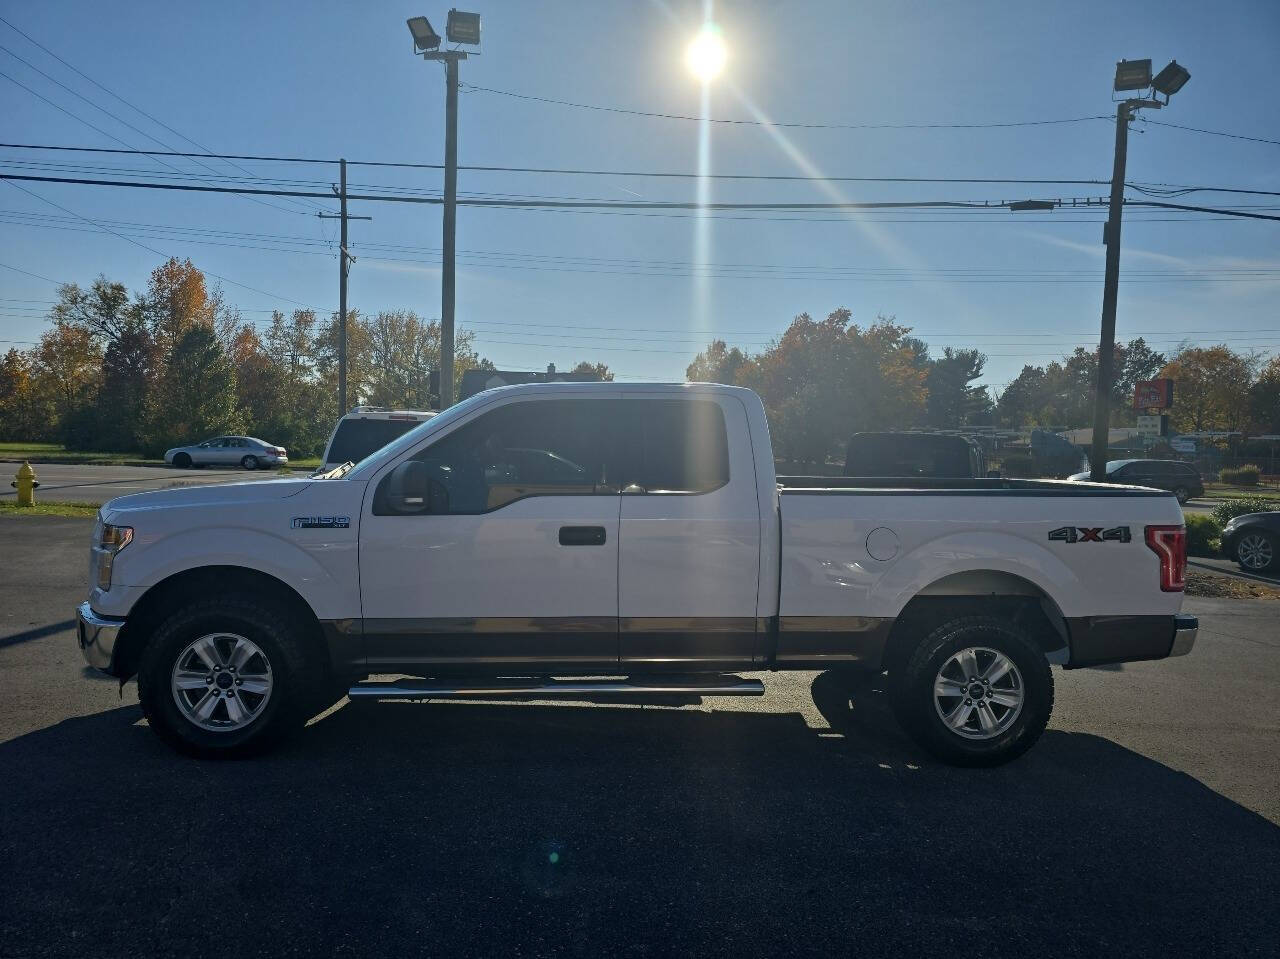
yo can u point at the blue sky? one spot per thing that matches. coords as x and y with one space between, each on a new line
329 79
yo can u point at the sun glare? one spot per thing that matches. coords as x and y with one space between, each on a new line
706 54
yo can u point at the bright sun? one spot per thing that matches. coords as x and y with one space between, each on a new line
706 54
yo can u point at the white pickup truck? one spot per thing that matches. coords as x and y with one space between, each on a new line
579 540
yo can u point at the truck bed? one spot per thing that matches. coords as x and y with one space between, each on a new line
961 486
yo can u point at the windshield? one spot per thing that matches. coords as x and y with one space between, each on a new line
357 438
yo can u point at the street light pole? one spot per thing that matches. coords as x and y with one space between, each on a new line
1130 75
461 28
447 288
1110 287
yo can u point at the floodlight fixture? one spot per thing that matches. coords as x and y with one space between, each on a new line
1133 75
1171 79
424 37
463 28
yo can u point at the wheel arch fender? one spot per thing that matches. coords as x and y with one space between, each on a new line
335 642
990 573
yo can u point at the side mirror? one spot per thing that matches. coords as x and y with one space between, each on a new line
407 488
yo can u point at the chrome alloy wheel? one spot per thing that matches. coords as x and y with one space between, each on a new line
1255 551
221 682
978 693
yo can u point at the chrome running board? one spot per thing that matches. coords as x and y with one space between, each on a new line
555 688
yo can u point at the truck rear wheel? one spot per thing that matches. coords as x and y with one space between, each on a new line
226 677
977 691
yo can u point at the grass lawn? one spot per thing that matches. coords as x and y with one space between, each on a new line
57 453
9 507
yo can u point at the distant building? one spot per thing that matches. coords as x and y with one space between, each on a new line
476 381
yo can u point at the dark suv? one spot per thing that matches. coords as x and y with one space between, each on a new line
1181 479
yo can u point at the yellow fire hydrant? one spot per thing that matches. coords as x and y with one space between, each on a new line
25 483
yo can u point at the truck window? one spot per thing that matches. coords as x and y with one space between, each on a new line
533 448
684 447
357 438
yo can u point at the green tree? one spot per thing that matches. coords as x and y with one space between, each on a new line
952 400
128 369
1264 399
196 395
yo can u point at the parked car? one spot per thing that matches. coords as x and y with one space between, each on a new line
650 550
913 454
365 430
244 451
1253 541
1180 479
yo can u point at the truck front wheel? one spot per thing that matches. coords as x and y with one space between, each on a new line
225 677
977 691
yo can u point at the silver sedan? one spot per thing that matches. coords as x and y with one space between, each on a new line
244 451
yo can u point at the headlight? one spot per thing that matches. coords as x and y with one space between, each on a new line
110 542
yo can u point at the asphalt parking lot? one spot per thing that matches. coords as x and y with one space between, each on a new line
76 483
1143 823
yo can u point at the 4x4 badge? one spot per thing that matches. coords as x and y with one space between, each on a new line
1090 534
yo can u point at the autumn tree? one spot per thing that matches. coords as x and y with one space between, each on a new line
67 369
718 363
1211 388
822 380
600 371
20 417
176 300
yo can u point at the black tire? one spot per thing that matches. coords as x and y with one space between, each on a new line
912 696
182 461
250 462
1272 567
296 676
1182 493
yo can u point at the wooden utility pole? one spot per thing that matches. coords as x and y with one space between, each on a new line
345 259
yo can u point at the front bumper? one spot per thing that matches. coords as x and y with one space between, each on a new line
97 636
1185 630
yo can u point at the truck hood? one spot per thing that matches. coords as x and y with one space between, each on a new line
213 494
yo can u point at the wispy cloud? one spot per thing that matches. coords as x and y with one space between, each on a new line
1099 251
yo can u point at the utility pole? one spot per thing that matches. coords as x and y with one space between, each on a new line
345 259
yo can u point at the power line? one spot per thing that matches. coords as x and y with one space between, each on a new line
780 125
132 106
1213 133
1201 209
29 273
152 249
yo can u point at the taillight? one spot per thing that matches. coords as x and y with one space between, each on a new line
1170 544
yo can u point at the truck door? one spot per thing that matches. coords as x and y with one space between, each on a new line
517 560
690 532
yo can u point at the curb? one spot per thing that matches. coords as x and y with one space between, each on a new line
1237 573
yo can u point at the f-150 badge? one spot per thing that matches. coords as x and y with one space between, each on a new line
1090 534
321 522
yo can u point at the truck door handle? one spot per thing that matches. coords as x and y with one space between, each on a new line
581 535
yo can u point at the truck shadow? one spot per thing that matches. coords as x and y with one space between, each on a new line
499 829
